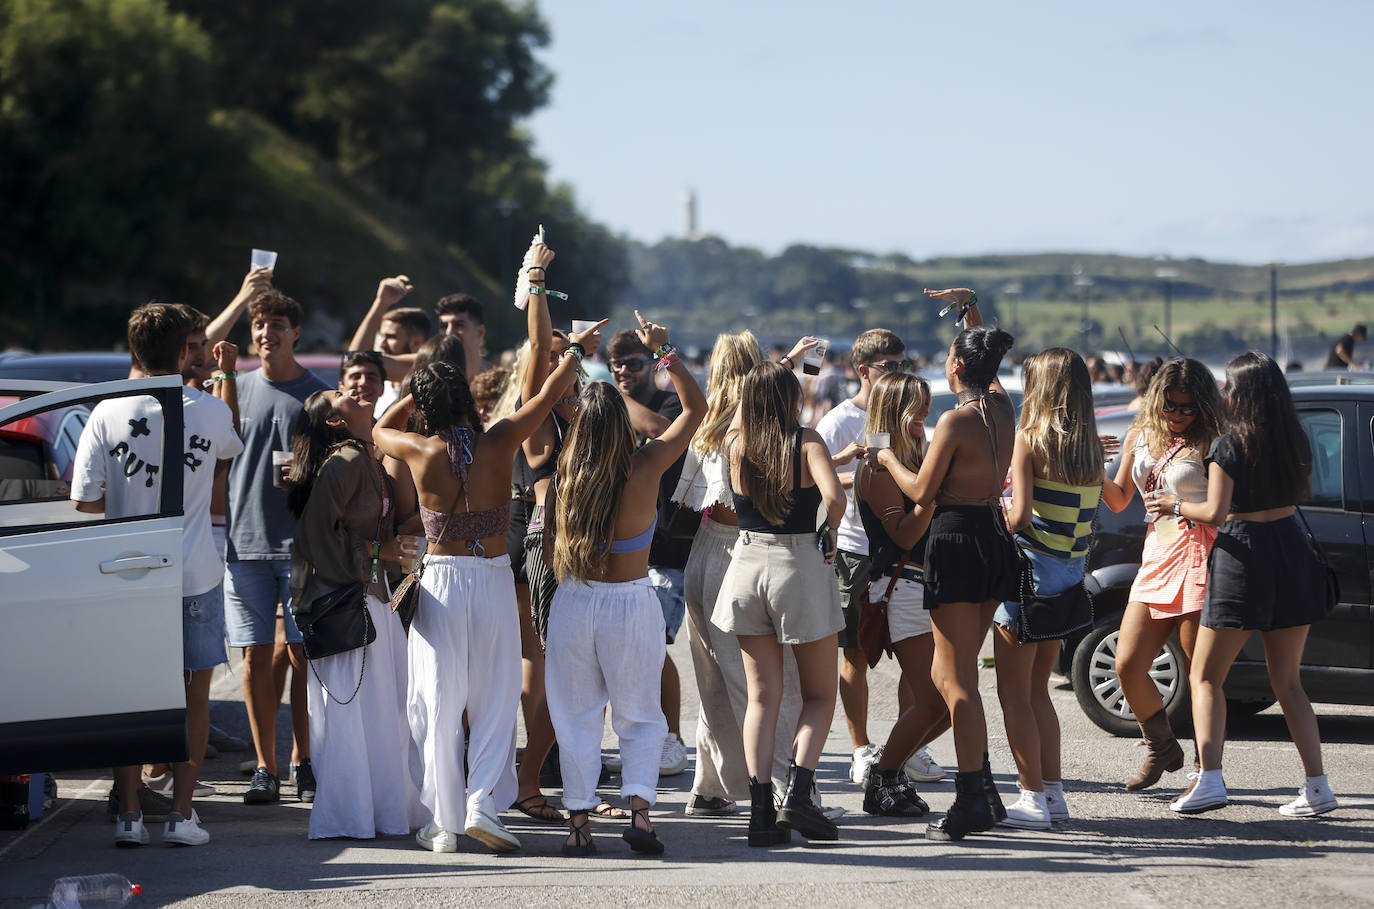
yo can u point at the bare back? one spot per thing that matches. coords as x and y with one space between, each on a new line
975 440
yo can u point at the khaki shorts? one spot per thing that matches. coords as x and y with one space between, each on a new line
779 584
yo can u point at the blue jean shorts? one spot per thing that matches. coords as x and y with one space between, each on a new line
252 592
1051 575
670 587
202 630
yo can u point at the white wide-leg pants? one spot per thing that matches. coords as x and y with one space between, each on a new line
606 645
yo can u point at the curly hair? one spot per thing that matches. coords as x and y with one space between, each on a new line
1190 377
443 399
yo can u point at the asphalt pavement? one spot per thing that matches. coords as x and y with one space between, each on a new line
1118 848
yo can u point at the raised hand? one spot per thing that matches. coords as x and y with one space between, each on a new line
226 356
255 282
590 339
957 295
392 290
651 335
800 348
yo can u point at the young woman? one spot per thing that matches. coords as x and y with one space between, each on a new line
779 591
606 640
464 645
345 523
1164 451
898 406
1262 575
1056 471
722 776
971 563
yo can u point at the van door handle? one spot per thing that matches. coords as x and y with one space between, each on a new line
135 563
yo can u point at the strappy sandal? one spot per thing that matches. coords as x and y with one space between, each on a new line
582 844
645 842
608 812
542 812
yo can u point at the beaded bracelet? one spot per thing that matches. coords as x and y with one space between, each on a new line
665 356
575 350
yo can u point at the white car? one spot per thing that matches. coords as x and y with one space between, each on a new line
91 606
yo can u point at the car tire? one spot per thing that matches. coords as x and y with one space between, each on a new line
1236 707
1098 690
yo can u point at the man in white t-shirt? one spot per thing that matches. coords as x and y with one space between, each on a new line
118 471
876 352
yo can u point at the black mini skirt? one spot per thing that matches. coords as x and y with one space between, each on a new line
1263 575
970 557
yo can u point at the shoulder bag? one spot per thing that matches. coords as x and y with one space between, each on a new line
875 637
1333 583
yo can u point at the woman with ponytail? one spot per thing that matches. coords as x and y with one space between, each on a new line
345 522
606 639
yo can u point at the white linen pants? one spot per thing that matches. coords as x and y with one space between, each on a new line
361 751
606 645
721 771
464 650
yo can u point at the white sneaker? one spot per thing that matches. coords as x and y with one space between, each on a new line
178 831
1315 797
922 768
165 785
129 830
831 812
483 826
673 760
1059 806
436 839
864 758
1031 812
1207 794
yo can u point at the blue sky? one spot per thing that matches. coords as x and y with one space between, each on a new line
1233 131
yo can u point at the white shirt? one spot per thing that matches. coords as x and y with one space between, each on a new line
119 458
705 481
840 426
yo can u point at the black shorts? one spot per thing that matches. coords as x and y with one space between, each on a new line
970 557
1263 575
515 537
853 571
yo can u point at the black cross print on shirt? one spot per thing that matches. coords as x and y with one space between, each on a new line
139 427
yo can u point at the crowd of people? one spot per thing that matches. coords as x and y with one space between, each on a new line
560 531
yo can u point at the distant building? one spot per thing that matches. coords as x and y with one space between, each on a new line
689 214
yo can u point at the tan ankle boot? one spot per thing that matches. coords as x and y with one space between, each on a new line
1162 752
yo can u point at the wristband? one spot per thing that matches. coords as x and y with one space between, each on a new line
233 373
1178 507
665 357
790 362
575 351
539 268
548 293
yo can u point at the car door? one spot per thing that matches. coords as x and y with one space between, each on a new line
91 606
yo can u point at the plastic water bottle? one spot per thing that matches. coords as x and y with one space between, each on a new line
92 891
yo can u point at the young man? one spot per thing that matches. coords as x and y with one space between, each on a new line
258 577
461 315
652 411
875 353
123 431
393 332
361 376
1342 354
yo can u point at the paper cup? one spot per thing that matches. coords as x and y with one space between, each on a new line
581 325
813 358
264 258
280 459
877 440
412 547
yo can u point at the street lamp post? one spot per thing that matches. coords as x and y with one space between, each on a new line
1167 275
1084 283
1274 310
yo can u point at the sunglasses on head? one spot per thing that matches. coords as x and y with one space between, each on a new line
633 364
894 365
1183 410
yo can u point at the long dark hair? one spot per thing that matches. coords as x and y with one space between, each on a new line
443 399
1265 425
982 348
313 440
770 402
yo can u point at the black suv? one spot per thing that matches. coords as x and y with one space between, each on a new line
1338 664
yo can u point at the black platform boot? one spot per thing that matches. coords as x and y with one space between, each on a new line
970 812
763 816
999 811
799 813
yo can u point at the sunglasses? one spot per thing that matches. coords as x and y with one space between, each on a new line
894 365
1183 410
633 364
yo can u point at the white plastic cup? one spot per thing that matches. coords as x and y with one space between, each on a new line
264 258
813 358
412 547
1159 490
877 440
581 325
281 459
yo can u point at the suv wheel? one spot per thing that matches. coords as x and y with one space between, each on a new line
1098 689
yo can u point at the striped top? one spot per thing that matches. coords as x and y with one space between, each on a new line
1062 518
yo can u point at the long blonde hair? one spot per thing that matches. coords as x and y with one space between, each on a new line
770 405
509 402
731 358
1057 417
592 470
1190 377
895 397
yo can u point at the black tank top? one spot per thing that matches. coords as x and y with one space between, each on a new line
806 501
524 476
882 551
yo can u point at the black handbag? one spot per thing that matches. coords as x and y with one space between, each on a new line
337 622
1333 583
1051 618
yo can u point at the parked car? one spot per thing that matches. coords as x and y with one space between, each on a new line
105 366
1338 663
91 609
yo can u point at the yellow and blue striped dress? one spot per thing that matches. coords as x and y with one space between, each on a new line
1061 518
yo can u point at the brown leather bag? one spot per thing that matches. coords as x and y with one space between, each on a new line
875 637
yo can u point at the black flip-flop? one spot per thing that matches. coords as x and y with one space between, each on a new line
523 806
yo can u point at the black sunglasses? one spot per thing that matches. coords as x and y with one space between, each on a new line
1183 410
633 364
894 365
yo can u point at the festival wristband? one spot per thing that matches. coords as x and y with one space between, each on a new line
548 293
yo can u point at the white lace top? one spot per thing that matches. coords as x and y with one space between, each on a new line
1185 473
704 481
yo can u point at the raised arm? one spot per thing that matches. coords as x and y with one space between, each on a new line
391 436
507 434
225 385
964 303
537 320
390 291
254 283
669 445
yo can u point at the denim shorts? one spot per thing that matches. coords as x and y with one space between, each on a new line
1051 575
669 586
252 592
202 630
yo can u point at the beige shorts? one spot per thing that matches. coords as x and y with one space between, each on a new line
778 583
907 616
